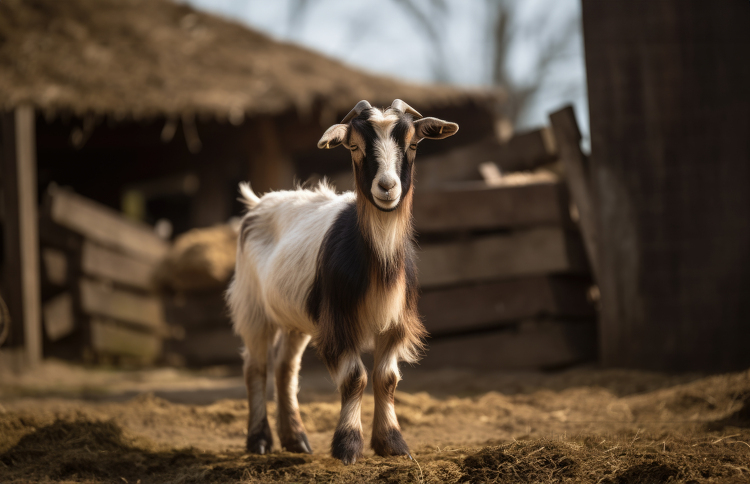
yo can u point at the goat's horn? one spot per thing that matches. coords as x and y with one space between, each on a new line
361 106
399 105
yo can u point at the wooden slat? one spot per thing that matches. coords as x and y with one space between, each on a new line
477 206
532 345
110 265
527 150
55 264
459 309
59 318
537 251
524 151
100 300
105 226
109 338
576 173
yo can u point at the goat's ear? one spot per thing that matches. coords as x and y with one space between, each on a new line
433 128
334 136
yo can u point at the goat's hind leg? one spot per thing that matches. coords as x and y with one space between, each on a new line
289 353
259 438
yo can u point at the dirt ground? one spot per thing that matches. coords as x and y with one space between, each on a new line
63 423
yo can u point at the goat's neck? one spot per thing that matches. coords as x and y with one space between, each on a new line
386 233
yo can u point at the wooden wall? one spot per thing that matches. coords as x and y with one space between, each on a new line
669 85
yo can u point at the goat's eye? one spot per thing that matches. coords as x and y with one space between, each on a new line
413 146
353 148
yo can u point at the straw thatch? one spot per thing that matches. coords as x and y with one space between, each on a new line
146 58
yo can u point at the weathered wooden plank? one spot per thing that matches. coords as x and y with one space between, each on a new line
111 339
545 250
477 206
59 316
524 151
55 265
461 164
527 150
105 226
530 345
99 299
110 265
576 174
466 308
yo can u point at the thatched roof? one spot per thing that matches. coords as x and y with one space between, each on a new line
145 58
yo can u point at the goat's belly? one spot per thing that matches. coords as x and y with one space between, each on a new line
290 272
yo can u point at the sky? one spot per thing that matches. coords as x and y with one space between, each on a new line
381 37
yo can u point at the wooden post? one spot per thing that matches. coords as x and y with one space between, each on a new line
576 173
669 102
21 279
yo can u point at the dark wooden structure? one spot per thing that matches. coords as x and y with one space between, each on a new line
669 97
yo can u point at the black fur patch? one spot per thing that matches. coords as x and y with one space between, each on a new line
389 442
342 278
260 440
347 445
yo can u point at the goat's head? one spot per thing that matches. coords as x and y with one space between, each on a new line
383 145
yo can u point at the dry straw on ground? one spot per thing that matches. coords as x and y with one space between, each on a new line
590 426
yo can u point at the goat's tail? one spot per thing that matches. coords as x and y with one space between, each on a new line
248 196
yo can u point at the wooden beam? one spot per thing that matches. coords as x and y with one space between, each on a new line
479 306
530 345
105 225
472 206
576 173
537 251
98 299
110 265
22 282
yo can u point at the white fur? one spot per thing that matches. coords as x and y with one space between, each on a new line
389 163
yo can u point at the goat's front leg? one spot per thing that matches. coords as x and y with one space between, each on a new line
291 430
351 378
386 432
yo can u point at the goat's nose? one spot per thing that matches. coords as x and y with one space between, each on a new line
387 184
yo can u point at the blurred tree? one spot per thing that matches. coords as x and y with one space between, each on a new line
540 30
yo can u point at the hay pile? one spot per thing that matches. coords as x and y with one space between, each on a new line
199 260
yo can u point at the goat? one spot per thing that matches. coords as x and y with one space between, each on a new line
339 269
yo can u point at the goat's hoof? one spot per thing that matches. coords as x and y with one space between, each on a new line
298 444
389 442
258 446
260 441
347 445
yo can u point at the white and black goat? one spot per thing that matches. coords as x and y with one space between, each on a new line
338 269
